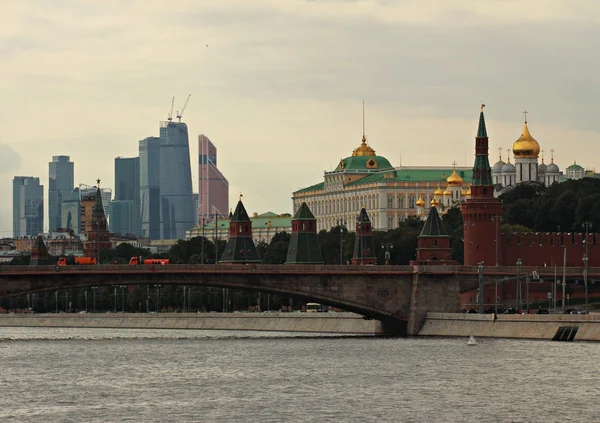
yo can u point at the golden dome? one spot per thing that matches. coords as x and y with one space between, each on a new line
464 193
363 149
438 191
420 202
526 146
434 202
454 179
469 191
447 193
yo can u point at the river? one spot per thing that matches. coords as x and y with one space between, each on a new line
109 375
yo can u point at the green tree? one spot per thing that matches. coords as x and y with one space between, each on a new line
276 251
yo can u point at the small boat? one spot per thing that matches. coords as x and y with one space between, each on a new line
472 340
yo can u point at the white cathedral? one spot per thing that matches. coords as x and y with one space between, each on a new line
526 151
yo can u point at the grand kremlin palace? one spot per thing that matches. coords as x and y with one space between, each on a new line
388 193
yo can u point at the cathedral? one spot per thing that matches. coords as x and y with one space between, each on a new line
526 152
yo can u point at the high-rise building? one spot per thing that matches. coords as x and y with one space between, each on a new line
195 201
149 150
60 187
127 197
176 205
28 206
70 212
87 202
213 186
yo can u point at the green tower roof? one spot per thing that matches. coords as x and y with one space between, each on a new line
304 213
240 214
481 131
434 225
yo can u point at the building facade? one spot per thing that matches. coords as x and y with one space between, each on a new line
61 182
176 205
71 212
388 194
213 186
149 150
28 206
127 194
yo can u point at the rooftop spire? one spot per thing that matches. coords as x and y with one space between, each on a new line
481 131
363 120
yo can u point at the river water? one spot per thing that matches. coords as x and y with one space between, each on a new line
108 375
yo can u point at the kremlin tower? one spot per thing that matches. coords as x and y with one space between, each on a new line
482 211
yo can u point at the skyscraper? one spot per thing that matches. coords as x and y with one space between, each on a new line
176 205
28 206
127 189
60 187
213 186
149 150
71 212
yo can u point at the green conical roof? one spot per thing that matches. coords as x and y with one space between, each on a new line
98 206
240 214
434 225
363 216
303 213
481 131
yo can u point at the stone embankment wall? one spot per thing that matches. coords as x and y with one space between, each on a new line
534 326
343 323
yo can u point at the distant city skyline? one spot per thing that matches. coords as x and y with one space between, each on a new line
281 85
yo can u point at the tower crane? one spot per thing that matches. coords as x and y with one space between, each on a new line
180 114
170 118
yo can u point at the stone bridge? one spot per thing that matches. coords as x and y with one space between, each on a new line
400 296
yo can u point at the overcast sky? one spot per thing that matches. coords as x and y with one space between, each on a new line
280 85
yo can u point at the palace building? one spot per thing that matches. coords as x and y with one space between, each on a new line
387 193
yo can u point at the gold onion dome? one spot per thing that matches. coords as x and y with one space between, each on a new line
363 149
420 202
447 193
434 202
454 179
463 192
526 146
438 191
469 191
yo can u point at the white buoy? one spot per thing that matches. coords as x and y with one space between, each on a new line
472 340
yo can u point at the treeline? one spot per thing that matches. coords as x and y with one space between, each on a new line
559 208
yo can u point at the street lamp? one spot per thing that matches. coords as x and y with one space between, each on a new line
94 289
587 225
342 225
157 294
387 255
123 296
518 294
481 286
498 219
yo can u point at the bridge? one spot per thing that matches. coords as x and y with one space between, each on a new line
399 296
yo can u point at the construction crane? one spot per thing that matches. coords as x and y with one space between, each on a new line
180 114
170 118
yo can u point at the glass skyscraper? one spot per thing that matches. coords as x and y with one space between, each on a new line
127 189
149 149
213 186
28 206
176 204
61 183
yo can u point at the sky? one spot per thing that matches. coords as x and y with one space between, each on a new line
278 85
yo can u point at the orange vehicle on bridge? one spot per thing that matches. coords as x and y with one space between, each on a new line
138 260
64 261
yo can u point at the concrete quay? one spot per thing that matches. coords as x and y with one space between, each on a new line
342 323
532 326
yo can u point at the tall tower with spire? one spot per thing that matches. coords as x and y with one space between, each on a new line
98 238
240 246
482 211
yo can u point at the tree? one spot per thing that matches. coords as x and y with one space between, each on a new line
276 251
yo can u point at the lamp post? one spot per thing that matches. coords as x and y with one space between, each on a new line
470 226
115 298
157 296
342 225
94 289
123 297
481 287
387 248
497 219
518 293
587 225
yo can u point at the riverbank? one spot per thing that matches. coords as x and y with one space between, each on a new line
533 326
342 323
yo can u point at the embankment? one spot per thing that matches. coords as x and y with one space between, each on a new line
533 326
342 323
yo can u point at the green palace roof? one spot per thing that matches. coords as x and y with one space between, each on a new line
259 221
368 163
436 175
